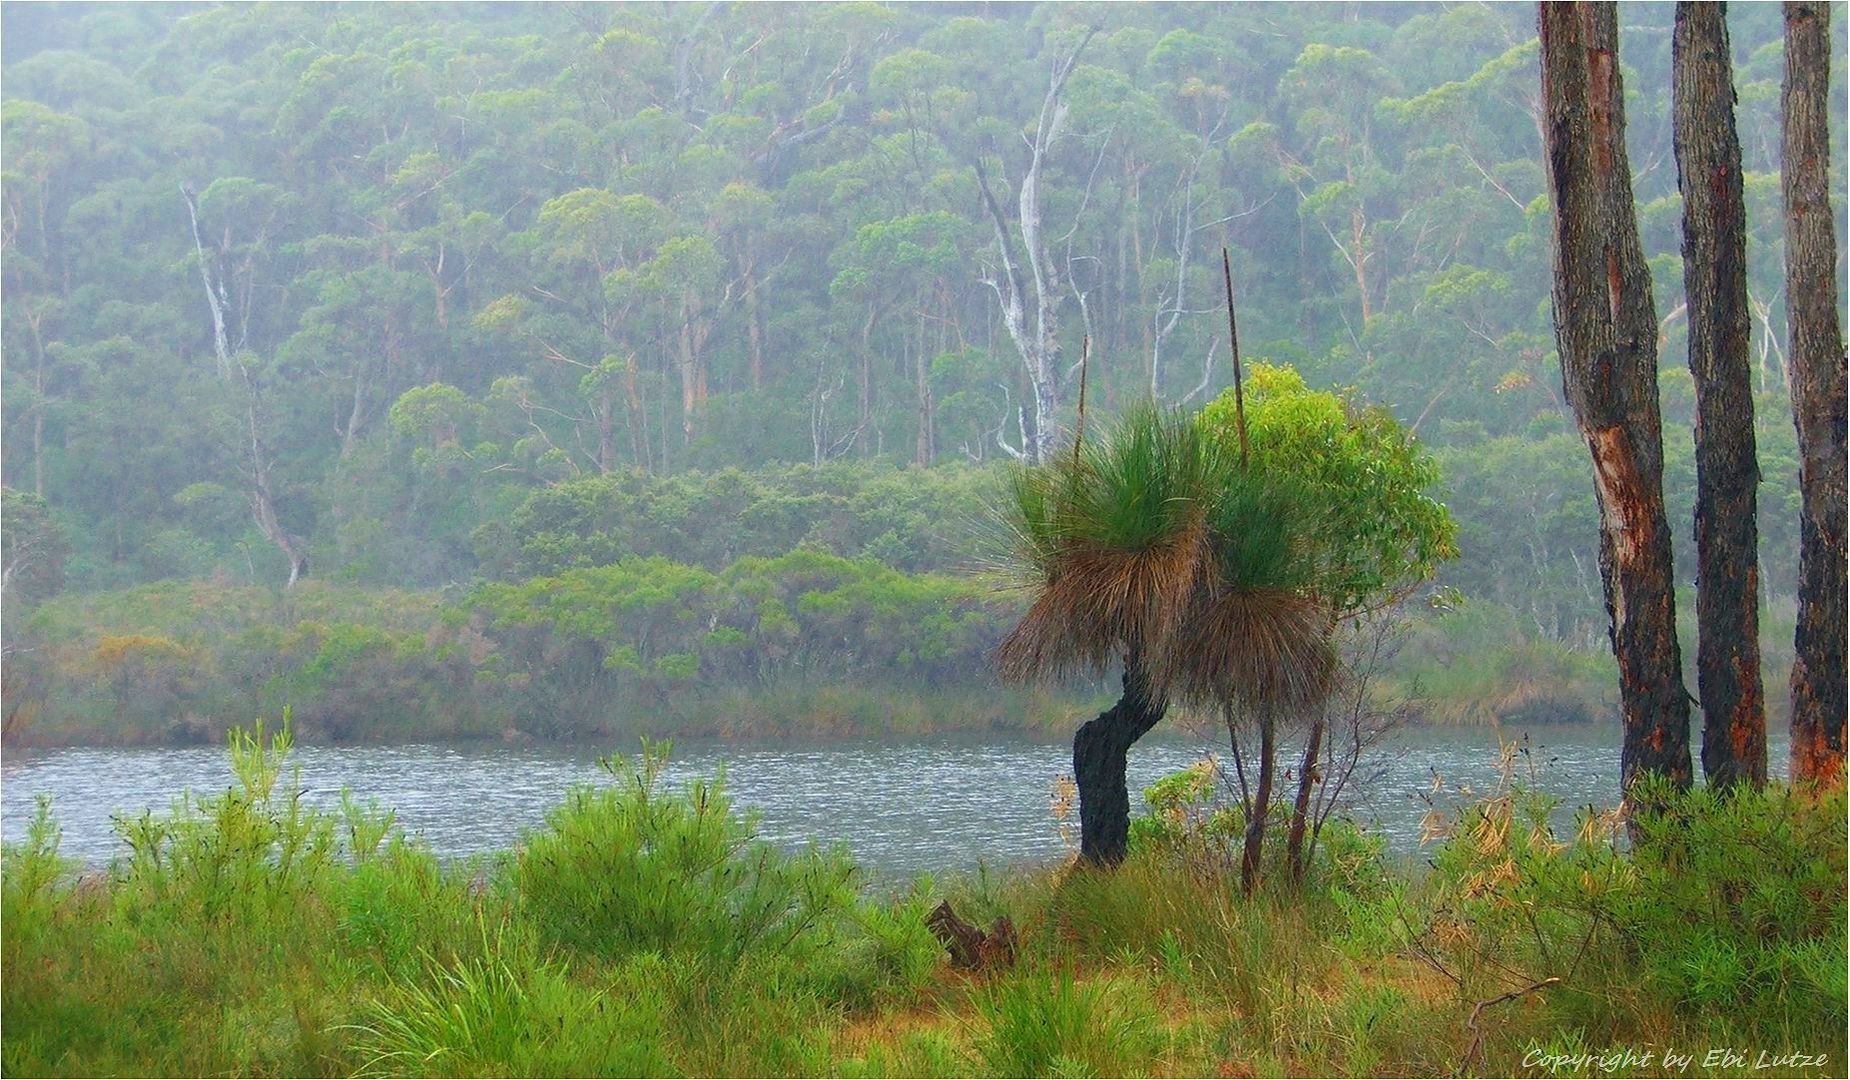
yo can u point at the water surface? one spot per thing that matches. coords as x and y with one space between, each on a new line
899 805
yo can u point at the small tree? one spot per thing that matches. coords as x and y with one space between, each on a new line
1371 533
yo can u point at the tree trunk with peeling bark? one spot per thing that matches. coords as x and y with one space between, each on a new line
1606 333
1708 155
1818 407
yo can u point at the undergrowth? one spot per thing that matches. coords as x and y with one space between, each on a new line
646 931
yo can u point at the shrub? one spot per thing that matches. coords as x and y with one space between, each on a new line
1726 905
505 1011
1737 900
626 868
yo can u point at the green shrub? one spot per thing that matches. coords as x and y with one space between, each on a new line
248 855
1190 820
34 880
505 1011
1737 900
1729 906
626 868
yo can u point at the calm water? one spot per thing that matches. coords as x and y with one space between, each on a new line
899 805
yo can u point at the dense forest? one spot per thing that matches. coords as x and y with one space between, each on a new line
454 298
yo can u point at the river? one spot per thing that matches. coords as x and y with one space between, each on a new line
900 805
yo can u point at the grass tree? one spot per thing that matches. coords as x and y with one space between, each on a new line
1216 578
1368 532
1153 547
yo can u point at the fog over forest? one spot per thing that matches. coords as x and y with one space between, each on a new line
418 303
411 411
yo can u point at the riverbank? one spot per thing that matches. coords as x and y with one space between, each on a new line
643 931
805 644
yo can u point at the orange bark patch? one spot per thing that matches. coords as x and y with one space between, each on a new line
1621 494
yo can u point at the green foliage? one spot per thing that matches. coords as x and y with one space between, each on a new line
35 881
477 262
628 868
1730 905
1476 663
1759 875
255 933
504 1011
912 519
1153 539
33 547
590 650
1360 479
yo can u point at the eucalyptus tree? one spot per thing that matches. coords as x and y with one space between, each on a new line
1818 397
1606 330
1028 288
1708 156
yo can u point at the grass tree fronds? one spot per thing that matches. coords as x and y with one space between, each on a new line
1102 601
1263 649
1115 542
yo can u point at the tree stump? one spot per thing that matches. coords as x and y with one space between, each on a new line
971 949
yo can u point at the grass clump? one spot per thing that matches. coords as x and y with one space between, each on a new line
1049 1023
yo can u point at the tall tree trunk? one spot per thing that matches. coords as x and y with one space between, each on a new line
690 377
215 291
921 374
1254 847
864 407
263 504
638 414
606 427
35 319
1606 333
1715 285
1100 750
1818 408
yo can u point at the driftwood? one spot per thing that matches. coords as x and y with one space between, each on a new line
970 948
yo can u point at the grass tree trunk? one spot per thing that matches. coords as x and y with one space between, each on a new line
1606 333
1715 282
1101 749
1818 407
1254 847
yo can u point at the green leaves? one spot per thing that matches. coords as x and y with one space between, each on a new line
1362 482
